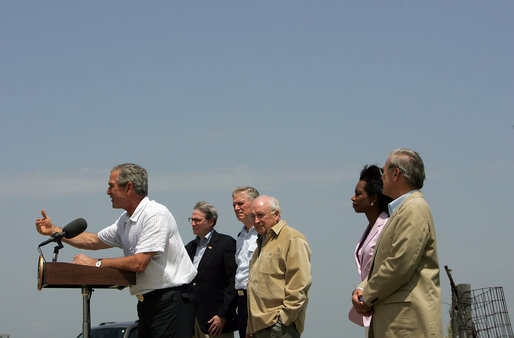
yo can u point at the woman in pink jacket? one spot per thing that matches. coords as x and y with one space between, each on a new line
368 199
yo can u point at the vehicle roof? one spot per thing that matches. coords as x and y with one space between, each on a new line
116 324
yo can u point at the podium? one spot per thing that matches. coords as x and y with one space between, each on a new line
68 275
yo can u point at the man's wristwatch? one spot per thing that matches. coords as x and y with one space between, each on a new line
99 263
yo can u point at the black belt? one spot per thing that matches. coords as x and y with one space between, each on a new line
160 292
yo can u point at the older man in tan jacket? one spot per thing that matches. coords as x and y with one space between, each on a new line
403 290
280 275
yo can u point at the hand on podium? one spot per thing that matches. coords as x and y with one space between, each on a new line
84 260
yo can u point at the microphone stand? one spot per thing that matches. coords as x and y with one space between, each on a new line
58 247
86 290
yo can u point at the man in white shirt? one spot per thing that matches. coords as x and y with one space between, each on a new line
152 247
245 246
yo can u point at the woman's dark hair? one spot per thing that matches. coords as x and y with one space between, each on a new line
372 175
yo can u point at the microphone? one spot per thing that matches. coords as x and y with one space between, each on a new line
72 229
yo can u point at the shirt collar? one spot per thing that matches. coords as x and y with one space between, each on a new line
278 227
396 203
244 233
271 233
205 238
140 207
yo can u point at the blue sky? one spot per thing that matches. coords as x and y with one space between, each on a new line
292 97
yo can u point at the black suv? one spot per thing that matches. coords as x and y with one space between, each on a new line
114 330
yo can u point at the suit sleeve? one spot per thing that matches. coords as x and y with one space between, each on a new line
403 245
227 310
298 280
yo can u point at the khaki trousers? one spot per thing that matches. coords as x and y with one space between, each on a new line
199 334
278 330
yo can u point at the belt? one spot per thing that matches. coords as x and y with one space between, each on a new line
241 293
159 292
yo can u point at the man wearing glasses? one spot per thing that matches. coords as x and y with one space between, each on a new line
152 247
280 275
212 254
403 290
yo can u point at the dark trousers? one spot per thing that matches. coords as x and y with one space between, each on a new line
242 312
166 313
278 330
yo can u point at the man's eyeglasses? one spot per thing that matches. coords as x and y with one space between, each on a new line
262 215
195 220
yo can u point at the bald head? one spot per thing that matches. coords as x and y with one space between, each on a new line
265 213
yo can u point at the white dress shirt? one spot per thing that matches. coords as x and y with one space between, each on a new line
200 248
246 244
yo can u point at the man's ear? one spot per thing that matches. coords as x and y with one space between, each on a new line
396 174
277 215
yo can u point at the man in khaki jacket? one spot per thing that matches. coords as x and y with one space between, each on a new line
280 275
403 290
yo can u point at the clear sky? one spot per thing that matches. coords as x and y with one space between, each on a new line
292 97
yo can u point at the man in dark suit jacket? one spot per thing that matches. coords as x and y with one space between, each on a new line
213 287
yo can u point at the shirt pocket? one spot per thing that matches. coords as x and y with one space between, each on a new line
267 279
269 263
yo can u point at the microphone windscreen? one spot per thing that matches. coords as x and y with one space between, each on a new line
74 228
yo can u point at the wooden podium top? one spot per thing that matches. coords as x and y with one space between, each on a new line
68 275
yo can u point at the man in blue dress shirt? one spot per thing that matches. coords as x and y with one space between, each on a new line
245 246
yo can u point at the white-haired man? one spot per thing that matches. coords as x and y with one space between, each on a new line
403 289
280 275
